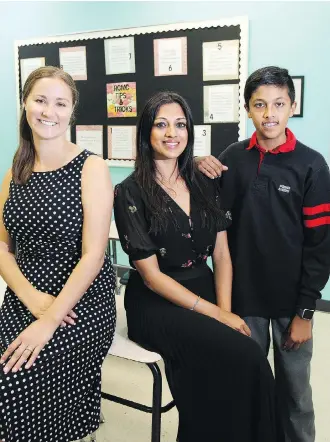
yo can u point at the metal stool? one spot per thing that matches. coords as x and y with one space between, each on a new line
123 347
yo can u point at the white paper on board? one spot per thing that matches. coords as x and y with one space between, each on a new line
202 144
121 142
221 103
170 56
119 55
90 138
73 61
221 60
29 65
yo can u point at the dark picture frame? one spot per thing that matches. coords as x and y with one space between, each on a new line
299 84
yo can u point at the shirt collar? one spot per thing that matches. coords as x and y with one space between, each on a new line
288 146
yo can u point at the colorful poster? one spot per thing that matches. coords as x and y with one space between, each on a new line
121 100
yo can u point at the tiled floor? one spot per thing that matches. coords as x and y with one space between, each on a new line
134 381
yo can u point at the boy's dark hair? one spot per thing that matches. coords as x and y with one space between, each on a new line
269 75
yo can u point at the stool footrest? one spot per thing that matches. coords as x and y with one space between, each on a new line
136 405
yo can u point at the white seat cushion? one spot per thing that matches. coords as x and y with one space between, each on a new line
113 234
122 346
3 287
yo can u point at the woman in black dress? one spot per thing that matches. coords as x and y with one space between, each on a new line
169 222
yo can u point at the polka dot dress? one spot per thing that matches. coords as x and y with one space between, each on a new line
58 400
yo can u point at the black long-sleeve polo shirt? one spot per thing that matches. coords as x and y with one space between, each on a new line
280 234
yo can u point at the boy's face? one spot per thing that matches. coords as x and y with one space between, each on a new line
270 108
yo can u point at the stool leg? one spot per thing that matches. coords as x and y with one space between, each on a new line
156 402
118 290
102 418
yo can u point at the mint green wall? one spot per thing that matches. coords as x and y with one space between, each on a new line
294 35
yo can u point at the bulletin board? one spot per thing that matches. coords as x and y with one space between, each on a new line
194 83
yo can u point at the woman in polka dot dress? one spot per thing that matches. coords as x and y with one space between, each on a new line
58 316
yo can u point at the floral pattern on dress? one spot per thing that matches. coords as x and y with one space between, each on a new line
162 252
127 242
228 215
185 242
206 254
189 263
132 209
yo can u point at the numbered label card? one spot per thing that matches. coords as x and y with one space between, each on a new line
221 60
221 103
73 61
202 145
121 142
119 55
170 56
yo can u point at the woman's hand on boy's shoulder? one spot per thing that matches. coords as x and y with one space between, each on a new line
210 166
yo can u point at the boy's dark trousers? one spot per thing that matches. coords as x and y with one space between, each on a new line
292 378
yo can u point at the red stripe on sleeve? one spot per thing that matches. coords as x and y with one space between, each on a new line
317 222
316 209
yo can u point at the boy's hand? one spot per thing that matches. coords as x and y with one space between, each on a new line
210 166
300 331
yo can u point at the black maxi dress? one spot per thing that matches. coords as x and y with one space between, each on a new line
221 382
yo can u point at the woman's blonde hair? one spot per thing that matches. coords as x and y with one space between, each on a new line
24 157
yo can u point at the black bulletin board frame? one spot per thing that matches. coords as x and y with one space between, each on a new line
92 108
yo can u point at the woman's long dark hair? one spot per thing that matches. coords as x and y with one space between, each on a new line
145 168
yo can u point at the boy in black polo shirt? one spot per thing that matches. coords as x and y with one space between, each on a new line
278 191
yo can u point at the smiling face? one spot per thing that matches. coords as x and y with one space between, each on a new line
49 108
270 108
169 134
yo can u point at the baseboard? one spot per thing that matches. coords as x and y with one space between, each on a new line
323 306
